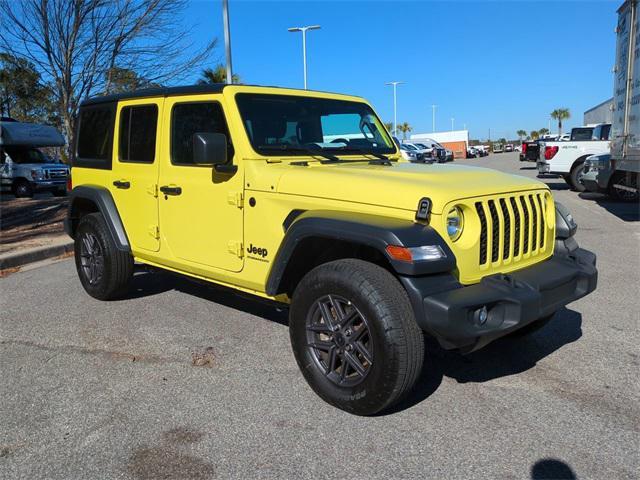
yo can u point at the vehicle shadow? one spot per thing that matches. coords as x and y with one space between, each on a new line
628 212
552 469
146 283
558 185
504 357
528 168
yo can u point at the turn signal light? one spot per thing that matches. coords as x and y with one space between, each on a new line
399 253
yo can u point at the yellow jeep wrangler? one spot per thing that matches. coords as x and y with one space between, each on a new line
302 198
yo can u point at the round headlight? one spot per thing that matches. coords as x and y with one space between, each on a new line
455 222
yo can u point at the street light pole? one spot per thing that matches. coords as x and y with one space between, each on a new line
395 106
304 47
227 39
433 118
452 120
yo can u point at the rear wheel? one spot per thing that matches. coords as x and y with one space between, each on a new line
621 178
104 270
574 177
354 336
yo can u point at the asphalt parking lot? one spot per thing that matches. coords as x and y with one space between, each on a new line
182 380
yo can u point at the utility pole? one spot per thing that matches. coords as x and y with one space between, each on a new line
304 47
395 106
452 120
433 118
227 39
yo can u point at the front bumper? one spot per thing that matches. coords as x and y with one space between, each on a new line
40 185
590 181
448 310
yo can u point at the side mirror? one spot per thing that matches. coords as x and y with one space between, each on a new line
211 149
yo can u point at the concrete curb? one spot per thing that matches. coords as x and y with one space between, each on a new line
18 259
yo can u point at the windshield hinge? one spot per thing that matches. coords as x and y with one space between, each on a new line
236 248
235 198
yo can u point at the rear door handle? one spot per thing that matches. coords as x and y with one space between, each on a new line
121 184
169 190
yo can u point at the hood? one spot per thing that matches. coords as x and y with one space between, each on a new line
400 185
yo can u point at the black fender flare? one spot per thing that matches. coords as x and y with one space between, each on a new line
102 199
371 230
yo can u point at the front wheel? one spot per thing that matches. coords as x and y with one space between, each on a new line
623 195
354 336
22 189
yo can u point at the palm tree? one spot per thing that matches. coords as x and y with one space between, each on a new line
216 75
521 133
560 114
534 135
404 128
388 126
543 131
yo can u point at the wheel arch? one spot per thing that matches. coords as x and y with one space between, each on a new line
579 160
317 237
95 198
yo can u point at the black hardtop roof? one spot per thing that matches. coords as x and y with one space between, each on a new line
170 91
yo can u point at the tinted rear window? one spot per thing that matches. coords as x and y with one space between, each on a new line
95 136
581 134
137 141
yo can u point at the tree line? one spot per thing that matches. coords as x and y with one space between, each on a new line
558 114
56 53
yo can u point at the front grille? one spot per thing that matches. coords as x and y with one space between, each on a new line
56 173
511 227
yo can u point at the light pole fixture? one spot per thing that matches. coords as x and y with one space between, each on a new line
433 118
227 39
395 106
304 46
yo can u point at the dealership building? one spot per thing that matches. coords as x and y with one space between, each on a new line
601 113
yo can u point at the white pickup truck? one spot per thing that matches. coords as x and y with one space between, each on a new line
567 158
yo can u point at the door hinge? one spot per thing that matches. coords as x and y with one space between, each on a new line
154 231
235 198
153 190
236 248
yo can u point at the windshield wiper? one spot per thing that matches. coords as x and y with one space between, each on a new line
379 156
299 148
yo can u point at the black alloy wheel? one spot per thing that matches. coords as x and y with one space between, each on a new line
91 258
339 339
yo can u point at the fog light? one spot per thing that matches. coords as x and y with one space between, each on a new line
481 315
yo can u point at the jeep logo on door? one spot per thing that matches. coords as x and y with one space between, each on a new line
257 252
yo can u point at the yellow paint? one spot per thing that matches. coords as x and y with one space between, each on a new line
206 231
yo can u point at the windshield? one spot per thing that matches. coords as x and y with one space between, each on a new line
296 122
26 155
406 146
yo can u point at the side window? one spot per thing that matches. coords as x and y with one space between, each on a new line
137 137
188 119
95 136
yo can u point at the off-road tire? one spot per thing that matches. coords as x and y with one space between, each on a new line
574 178
22 189
532 327
397 344
621 196
116 265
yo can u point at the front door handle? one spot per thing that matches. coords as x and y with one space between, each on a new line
170 190
122 184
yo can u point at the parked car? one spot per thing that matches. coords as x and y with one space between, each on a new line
433 149
448 155
567 158
508 147
472 152
24 168
366 253
413 154
498 148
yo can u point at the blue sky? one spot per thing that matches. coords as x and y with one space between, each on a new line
488 64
